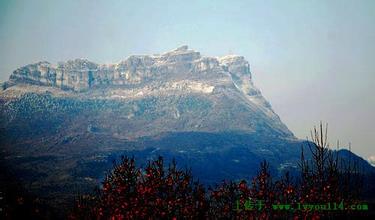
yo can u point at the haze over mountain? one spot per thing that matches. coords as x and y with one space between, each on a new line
223 84
62 125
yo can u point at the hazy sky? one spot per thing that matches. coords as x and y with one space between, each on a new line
313 60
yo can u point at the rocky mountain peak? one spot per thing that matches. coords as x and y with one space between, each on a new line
181 54
182 48
221 82
180 63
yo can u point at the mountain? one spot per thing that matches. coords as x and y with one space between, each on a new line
371 160
63 125
195 93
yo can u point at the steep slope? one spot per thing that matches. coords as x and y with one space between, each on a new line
181 90
62 125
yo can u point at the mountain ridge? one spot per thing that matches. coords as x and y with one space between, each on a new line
62 132
180 72
81 74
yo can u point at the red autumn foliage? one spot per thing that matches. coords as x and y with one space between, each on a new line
153 193
158 192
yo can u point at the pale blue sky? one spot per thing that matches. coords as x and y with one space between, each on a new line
313 60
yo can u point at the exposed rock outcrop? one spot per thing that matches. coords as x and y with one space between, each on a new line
225 83
81 74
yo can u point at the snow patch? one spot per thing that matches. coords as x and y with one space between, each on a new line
371 160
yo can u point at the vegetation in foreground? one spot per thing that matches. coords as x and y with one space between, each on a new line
160 192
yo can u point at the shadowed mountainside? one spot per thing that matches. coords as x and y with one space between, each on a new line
62 125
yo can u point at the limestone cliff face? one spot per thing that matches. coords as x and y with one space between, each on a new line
62 124
181 63
180 90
